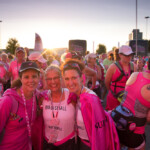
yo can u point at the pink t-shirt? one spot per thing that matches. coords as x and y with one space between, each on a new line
14 69
2 75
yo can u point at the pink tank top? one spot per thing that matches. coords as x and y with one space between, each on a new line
134 100
14 69
2 75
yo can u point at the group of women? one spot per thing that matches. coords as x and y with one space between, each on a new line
73 117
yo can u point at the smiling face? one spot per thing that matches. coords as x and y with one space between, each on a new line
53 80
29 79
140 64
73 81
92 60
4 57
20 55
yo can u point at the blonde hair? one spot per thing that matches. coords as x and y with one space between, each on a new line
53 67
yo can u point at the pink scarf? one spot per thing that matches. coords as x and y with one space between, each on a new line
99 125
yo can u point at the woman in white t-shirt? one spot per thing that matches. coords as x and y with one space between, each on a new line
59 117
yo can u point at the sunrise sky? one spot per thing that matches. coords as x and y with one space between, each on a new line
107 22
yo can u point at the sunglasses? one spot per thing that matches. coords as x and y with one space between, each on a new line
20 49
74 65
54 79
76 55
126 55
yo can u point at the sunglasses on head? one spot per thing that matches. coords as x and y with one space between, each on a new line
20 49
76 55
74 65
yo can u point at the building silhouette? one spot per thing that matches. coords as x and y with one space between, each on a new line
132 36
142 45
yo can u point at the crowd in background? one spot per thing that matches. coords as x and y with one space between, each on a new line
103 76
97 62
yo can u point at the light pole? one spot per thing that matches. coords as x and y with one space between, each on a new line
0 36
93 46
147 17
136 27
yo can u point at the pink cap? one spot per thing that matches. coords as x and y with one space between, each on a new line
37 56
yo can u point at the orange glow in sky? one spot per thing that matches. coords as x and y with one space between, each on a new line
97 21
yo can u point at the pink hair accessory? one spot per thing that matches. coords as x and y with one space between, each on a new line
72 98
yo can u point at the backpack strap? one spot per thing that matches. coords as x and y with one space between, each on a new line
121 76
121 70
118 79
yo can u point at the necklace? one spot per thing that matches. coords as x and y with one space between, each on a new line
55 116
26 113
54 122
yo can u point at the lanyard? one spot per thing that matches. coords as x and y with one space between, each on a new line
55 116
26 113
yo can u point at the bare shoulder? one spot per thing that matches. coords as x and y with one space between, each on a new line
132 78
88 70
112 68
